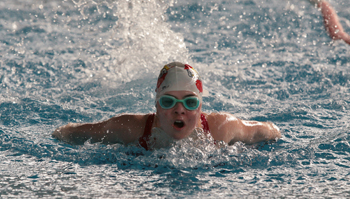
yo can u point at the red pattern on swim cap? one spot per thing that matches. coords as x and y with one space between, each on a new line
188 67
161 77
199 85
198 82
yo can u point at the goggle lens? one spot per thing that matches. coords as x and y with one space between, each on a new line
168 102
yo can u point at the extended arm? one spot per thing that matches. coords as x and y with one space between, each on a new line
331 21
230 129
119 129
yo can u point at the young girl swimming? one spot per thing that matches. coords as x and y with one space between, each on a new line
178 101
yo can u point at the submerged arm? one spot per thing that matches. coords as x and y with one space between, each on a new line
119 129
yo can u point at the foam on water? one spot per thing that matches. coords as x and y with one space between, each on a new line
86 61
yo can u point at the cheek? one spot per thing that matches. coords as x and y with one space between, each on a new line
195 117
163 116
198 111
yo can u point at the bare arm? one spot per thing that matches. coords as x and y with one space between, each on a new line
331 21
119 129
230 129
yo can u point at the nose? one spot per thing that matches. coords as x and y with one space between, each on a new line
179 108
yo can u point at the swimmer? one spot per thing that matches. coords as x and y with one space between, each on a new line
178 114
331 21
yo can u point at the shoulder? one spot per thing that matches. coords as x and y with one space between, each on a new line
129 118
129 121
222 124
220 118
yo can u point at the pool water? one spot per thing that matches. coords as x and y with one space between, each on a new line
86 61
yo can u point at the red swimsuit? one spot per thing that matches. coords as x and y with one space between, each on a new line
148 129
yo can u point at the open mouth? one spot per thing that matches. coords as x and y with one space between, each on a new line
179 124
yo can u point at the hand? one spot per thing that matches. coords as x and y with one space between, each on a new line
64 133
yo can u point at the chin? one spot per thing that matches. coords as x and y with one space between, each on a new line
180 136
177 137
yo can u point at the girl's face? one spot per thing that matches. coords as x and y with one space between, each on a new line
178 122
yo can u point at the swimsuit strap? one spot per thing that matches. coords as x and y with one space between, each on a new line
205 123
147 132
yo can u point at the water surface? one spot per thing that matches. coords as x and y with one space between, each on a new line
86 61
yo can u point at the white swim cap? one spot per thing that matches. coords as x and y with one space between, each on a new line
179 77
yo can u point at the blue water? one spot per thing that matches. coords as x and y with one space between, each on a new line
86 61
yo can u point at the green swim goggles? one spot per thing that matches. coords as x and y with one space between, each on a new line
190 103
